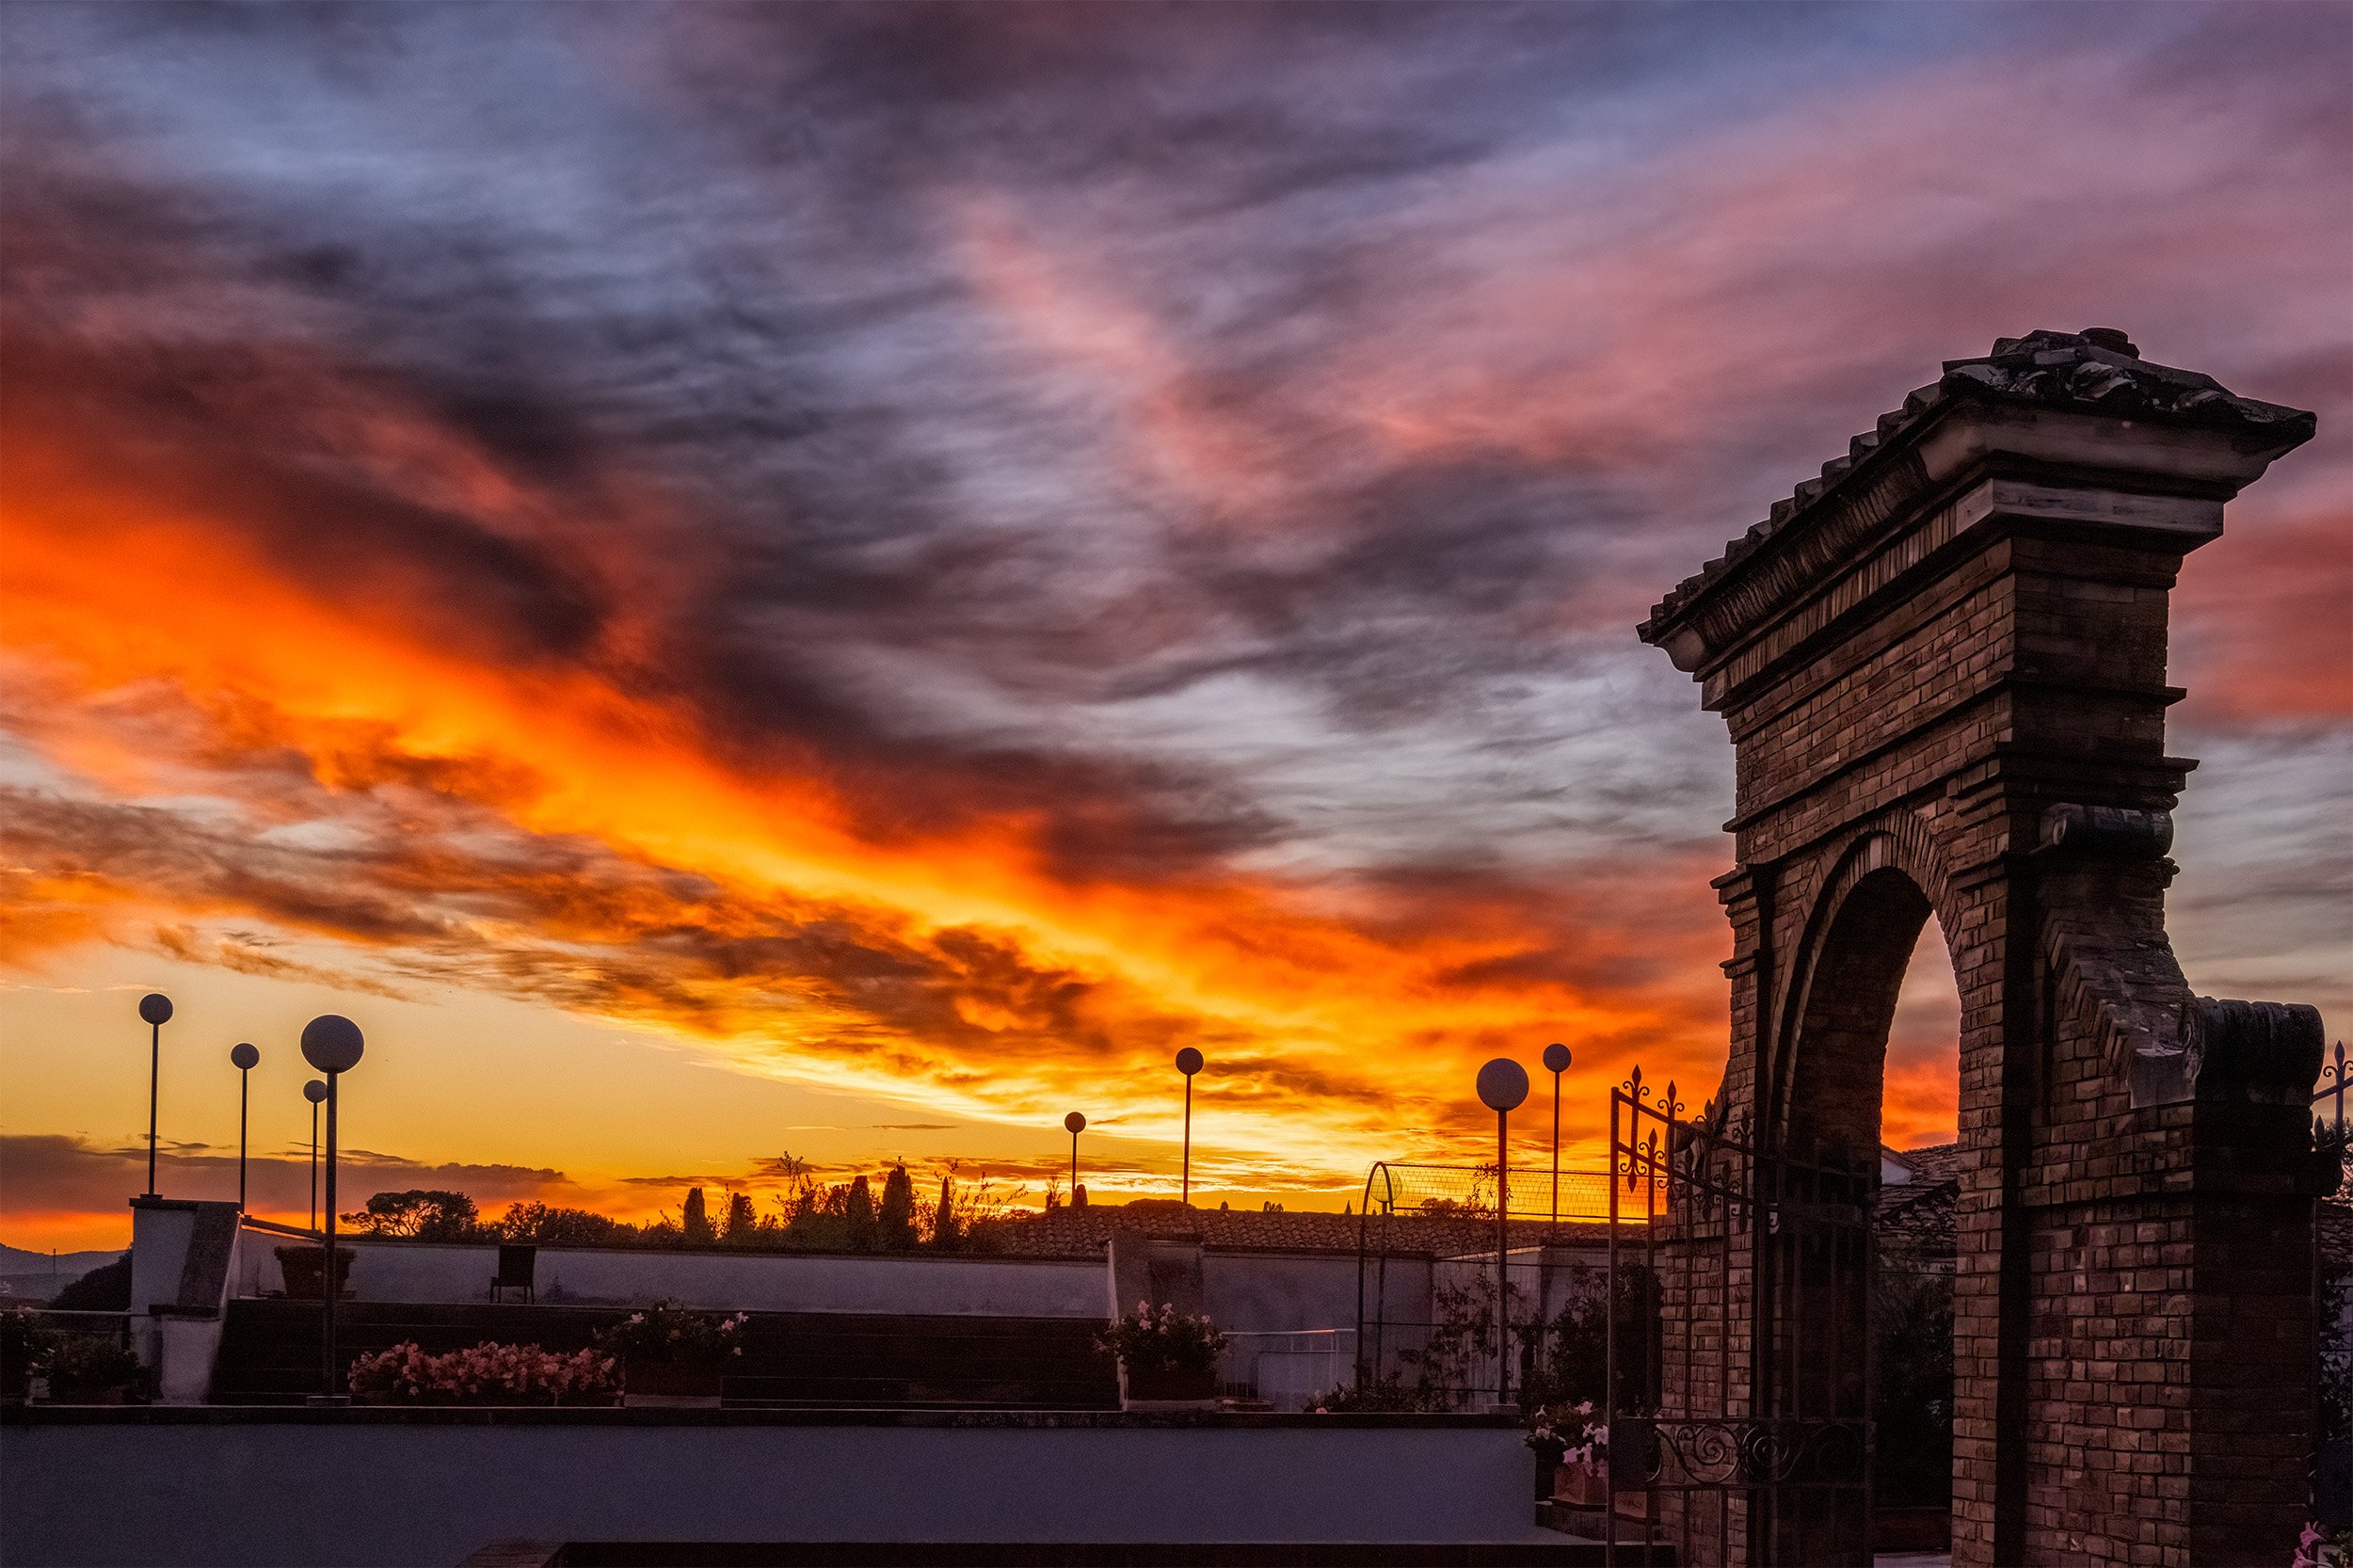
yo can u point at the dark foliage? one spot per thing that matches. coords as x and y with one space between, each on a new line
422 1214
743 1224
564 1227
105 1289
1911 1323
1567 1360
894 1222
82 1368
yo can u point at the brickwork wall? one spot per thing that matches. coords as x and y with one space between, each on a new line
2112 1263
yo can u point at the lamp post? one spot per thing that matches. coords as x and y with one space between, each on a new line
242 1056
1556 1063
1502 1085
333 1044
155 1008
1073 1124
1188 1063
315 1093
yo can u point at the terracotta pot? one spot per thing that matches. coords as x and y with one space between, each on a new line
1581 1484
666 1383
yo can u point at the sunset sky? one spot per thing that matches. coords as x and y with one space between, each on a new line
842 582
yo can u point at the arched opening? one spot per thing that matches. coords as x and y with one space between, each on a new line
1873 1078
1838 1057
1912 1305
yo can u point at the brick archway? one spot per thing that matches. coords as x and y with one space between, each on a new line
1942 666
1827 1075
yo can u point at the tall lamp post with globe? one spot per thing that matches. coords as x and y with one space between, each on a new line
333 1044
1556 1063
155 1008
1502 1087
1073 1124
1188 1063
242 1056
316 1091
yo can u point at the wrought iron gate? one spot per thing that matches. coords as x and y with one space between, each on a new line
1747 1439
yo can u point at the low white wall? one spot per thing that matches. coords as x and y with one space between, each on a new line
363 1492
160 1234
1270 1292
756 1282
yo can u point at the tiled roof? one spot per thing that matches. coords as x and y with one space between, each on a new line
1936 1162
2097 370
1915 1218
1081 1232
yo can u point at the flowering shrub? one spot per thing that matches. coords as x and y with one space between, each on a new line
1164 1342
668 1333
486 1374
2321 1547
81 1368
1572 1430
1370 1392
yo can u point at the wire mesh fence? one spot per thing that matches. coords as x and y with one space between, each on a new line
1432 1331
1288 1370
1577 1196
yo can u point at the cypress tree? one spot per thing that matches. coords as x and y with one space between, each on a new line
897 1220
694 1219
742 1223
860 1212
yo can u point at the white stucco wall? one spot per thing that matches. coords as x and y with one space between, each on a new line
718 1281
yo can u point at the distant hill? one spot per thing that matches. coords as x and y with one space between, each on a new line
33 1276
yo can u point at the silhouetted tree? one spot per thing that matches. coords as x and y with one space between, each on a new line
743 1224
895 1226
944 1226
857 1210
694 1219
421 1214
563 1227
105 1289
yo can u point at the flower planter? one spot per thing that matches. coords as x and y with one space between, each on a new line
1164 1389
1583 1486
666 1383
303 1266
1580 1485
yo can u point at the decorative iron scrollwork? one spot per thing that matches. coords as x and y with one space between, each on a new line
1672 1453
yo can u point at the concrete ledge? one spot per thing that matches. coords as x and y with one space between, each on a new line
546 1416
199 1486
1557 1551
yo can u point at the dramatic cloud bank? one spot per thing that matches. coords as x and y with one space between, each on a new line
948 552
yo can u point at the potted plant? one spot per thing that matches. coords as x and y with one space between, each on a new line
487 1373
672 1357
1571 1439
2320 1546
303 1267
90 1368
1167 1359
1544 1439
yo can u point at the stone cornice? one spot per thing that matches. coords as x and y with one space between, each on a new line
2082 401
